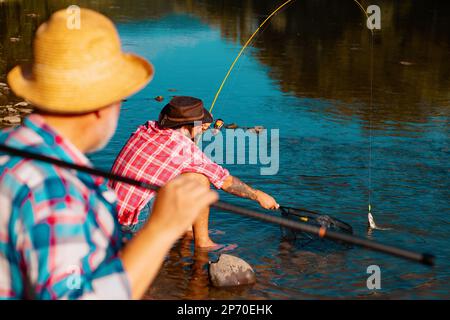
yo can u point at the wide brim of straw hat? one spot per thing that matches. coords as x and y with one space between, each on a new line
80 95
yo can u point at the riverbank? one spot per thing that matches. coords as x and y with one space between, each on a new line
12 109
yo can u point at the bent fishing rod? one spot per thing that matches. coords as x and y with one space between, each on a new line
322 232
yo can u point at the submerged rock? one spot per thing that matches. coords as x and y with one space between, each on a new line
4 89
32 15
26 111
22 104
231 126
230 271
12 111
12 120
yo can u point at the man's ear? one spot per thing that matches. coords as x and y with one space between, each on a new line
101 112
192 131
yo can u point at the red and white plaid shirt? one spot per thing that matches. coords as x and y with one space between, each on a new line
156 156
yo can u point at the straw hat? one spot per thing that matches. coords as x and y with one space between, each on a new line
79 70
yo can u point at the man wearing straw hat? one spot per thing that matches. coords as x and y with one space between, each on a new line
59 238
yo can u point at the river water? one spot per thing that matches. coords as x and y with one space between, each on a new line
307 74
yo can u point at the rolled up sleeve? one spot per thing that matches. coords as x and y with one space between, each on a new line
200 163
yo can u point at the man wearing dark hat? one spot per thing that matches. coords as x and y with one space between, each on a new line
159 151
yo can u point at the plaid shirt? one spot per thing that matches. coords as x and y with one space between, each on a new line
155 156
58 234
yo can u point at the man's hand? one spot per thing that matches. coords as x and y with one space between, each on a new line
266 201
235 186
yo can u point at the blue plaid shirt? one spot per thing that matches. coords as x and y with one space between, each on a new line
59 238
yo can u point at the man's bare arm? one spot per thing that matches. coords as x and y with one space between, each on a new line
238 188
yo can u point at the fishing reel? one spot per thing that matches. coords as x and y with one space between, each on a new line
218 124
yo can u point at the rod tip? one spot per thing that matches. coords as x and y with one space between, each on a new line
428 259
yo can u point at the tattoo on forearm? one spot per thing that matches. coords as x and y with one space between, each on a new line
241 189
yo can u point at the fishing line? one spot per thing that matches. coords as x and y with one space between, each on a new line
370 218
277 10
232 80
369 215
243 49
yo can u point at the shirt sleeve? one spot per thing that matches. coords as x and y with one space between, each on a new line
198 162
64 250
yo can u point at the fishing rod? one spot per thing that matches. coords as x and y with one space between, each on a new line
322 232
278 9
284 5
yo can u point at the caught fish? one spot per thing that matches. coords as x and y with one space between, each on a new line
371 222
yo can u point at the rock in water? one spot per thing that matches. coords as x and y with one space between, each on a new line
26 111
12 111
12 120
22 104
230 271
3 99
231 126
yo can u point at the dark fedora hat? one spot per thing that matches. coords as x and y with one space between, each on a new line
183 111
